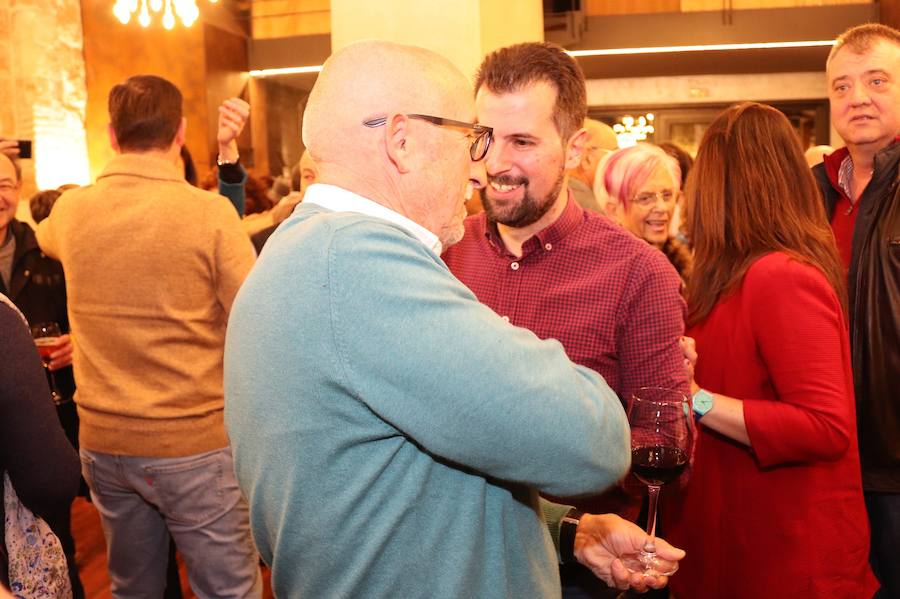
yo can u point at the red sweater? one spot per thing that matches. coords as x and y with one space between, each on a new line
785 518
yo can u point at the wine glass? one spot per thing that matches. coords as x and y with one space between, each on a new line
662 432
46 337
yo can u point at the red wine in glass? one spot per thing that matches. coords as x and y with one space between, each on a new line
657 464
662 433
46 337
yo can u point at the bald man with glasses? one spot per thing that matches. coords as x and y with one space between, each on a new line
391 433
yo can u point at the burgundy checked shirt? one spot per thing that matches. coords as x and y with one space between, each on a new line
611 299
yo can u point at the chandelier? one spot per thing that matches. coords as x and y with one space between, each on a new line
631 130
186 10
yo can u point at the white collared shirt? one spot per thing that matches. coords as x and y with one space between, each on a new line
338 199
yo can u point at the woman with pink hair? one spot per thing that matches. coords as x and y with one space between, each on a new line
642 184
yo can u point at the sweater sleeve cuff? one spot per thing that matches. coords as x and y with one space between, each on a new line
233 174
553 515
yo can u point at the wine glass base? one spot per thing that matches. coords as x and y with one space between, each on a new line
649 564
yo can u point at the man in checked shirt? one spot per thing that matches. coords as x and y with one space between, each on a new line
542 262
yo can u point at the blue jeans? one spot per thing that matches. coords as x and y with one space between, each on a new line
142 500
884 520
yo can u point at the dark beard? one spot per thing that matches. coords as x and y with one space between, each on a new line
530 210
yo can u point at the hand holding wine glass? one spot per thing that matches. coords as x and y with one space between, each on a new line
662 433
47 339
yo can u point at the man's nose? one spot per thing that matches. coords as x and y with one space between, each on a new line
496 161
859 95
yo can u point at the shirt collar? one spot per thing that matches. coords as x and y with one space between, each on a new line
147 165
839 167
568 221
338 199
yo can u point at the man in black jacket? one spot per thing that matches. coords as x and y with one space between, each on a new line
860 185
36 285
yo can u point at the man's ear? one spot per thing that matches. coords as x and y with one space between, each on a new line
396 141
181 133
113 142
575 147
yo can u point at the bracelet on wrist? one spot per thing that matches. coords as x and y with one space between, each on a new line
222 162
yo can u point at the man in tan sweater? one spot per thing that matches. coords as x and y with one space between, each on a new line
152 266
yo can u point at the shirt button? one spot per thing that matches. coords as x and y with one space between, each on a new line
548 246
514 266
506 318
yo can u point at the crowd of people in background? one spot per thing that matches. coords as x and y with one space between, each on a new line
416 397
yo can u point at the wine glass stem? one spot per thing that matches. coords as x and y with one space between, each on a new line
653 496
54 390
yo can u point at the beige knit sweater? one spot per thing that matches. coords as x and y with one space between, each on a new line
152 266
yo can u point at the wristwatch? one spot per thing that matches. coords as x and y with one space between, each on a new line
702 402
567 527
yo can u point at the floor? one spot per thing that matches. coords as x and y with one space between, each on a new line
91 555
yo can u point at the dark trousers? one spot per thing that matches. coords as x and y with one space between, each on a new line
884 552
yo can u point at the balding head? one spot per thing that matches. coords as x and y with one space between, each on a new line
600 139
371 79
412 166
601 135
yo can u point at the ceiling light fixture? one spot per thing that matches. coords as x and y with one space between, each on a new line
629 130
706 48
186 10
600 52
285 71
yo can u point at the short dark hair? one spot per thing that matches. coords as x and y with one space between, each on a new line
42 202
145 112
510 69
859 39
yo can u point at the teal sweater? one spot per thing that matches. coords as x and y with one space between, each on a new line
390 433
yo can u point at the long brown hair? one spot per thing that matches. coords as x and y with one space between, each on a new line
749 193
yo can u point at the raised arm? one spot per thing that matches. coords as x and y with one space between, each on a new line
233 115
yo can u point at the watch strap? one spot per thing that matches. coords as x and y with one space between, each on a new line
567 527
702 402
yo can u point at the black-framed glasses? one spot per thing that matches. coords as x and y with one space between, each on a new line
481 136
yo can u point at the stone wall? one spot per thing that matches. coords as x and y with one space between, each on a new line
43 89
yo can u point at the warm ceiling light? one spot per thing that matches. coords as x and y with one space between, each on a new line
706 48
185 10
285 71
603 52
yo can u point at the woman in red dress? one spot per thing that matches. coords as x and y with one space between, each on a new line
774 505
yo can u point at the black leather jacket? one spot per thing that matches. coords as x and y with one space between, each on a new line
874 293
38 288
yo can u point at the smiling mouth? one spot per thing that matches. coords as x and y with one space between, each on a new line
505 183
503 188
657 223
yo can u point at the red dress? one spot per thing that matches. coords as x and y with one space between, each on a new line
785 518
